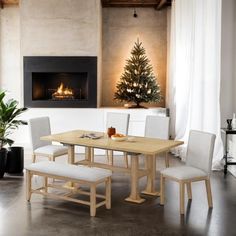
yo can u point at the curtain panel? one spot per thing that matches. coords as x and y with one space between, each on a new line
194 71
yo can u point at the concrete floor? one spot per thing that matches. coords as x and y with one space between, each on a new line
54 217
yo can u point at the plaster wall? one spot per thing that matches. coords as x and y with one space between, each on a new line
228 62
10 76
228 71
120 31
61 28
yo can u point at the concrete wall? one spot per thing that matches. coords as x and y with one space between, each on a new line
10 76
61 28
120 31
228 71
228 60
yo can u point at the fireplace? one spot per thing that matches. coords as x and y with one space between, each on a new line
60 82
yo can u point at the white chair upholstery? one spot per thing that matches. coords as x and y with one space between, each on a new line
41 127
51 150
198 166
158 127
120 121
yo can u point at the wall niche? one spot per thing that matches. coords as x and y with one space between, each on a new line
120 30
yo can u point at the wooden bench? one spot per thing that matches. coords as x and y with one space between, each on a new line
82 175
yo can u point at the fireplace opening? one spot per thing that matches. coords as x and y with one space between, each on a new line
60 86
60 81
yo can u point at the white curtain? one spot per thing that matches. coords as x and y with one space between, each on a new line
194 70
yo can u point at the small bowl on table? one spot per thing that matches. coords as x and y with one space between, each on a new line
118 137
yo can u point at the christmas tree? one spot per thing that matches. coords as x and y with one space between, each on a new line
138 83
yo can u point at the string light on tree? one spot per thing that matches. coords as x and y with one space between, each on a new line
138 83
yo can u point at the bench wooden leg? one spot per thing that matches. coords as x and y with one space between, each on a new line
108 193
92 200
28 185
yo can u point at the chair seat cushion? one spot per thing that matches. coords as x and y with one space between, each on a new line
183 172
53 150
79 172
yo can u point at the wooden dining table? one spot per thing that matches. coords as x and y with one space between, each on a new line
134 146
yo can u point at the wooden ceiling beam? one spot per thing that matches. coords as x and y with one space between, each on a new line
157 4
1 4
130 3
8 2
163 3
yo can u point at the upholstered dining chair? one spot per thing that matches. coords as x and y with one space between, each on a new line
198 167
158 127
41 127
120 121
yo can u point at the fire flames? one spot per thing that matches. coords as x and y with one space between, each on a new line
63 92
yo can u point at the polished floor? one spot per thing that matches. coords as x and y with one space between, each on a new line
54 217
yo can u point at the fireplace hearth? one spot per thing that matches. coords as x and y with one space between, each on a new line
60 82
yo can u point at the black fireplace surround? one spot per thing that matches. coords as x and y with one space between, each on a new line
45 78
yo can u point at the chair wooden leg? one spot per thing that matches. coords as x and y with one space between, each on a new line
108 193
107 156
162 190
181 197
126 160
92 200
189 190
209 194
110 157
28 185
46 184
92 155
33 158
167 160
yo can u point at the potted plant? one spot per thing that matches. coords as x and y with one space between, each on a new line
9 112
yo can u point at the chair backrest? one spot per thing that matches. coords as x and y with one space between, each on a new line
200 150
120 121
39 127
157 127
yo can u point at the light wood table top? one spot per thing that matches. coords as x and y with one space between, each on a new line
148 146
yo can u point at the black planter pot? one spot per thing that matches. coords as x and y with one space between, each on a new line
15 160
3 160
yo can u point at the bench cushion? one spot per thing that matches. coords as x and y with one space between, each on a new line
85 173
